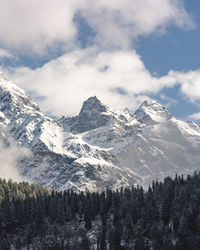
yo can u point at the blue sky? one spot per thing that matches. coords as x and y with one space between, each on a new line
178 50
63 52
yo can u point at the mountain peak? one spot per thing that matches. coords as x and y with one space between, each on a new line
93 114
92 99
14 101
92 103
8 86
150 102
151 110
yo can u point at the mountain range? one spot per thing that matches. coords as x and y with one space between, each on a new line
100 147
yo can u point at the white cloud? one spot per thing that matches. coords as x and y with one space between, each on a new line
169 101
195 116
189 82
10 154
118 78
63 84
118 21
5 54
36 26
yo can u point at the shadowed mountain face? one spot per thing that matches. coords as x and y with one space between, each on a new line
100 148
93 115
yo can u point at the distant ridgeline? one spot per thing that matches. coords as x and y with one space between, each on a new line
167 216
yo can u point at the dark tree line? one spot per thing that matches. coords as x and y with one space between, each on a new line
167 217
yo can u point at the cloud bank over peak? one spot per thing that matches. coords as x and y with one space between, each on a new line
118 78
38 27
108 67
10 154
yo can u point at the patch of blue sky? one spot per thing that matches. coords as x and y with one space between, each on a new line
85 33
176 50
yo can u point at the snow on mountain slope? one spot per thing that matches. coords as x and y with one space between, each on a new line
110 130
152 112
151 142
59 159
161 150
100 147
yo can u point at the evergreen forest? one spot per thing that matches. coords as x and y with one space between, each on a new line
165 217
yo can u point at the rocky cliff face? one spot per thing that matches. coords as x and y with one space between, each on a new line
100 148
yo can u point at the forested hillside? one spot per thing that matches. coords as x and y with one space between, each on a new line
167 216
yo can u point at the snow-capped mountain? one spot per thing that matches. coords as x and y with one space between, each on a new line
100 148
59 159
149 142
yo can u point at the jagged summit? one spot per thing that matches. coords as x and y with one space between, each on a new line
92 108
14 101
149 102
93 114
151 110
10 88
93 103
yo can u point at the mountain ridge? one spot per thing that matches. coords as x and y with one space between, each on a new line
101 147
